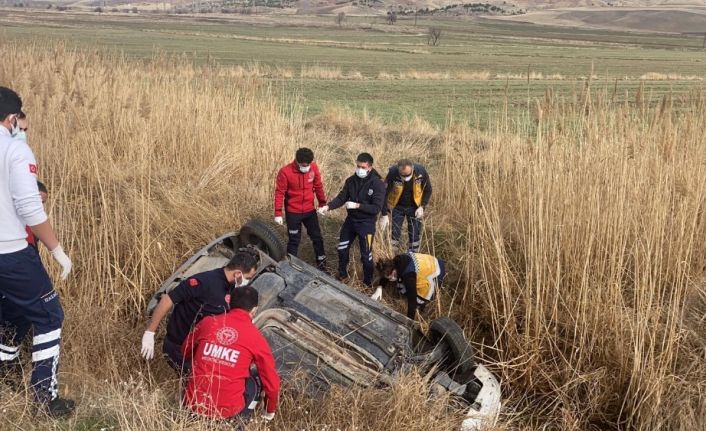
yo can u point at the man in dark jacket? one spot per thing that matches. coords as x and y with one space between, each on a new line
363 194
204 294
298 183
408 193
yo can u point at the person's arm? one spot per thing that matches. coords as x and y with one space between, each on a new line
410 285
388 188
265 363
45 233
378 199
319 186
165 304
280 192
426 191
187 289
25 194
341 199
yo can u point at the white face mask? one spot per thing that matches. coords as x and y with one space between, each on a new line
304 169
362 173
408 178
244 282
21 134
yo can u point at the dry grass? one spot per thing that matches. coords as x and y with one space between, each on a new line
575 242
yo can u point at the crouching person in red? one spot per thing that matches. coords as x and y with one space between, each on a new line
222 349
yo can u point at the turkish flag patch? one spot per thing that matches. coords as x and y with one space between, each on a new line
32 168
193 282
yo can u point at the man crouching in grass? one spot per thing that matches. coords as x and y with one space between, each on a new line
222 349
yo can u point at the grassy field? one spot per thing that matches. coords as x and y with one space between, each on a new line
390 71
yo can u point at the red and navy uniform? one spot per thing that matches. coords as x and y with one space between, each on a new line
369 192
295 190
221 349
201 295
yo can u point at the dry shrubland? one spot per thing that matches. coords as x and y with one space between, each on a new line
574 236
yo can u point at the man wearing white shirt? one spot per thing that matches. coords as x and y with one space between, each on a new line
28 293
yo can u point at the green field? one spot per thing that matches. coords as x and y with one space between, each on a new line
366 48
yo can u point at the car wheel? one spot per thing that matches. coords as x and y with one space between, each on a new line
460 359
260 235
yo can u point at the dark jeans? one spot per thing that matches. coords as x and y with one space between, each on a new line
294 230
365 232
172 353
30 301
414 227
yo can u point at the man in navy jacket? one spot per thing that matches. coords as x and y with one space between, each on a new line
363 194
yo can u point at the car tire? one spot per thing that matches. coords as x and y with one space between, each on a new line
259 234
461 359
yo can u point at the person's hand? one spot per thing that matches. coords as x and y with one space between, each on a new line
352 205
322 210
279 220
384 222
63 260
148 345
419 213
268 416
377 295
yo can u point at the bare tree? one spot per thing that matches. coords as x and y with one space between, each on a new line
340 18
391 17
433 36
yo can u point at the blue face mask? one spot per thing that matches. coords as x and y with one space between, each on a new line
362 173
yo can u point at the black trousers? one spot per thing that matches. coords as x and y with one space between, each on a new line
310 221
172 353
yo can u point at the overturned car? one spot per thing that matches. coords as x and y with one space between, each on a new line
337 335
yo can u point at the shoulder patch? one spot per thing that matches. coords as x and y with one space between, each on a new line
32 168
193 282
370 192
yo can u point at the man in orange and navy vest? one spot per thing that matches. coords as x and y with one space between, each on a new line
408 193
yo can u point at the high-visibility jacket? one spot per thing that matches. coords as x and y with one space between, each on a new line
427 269
421 187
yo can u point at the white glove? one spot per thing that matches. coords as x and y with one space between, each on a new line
279 220
419 213
352 205
322 210
63 260
384 221
377 295
148 345
268 416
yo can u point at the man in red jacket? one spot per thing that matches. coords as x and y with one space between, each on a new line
222 348
298 183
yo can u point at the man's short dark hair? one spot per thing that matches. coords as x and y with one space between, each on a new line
244 298
242 261
365 158
403 163
42 188
10 103
304 155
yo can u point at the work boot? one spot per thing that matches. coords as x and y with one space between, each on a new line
321 266
60 407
